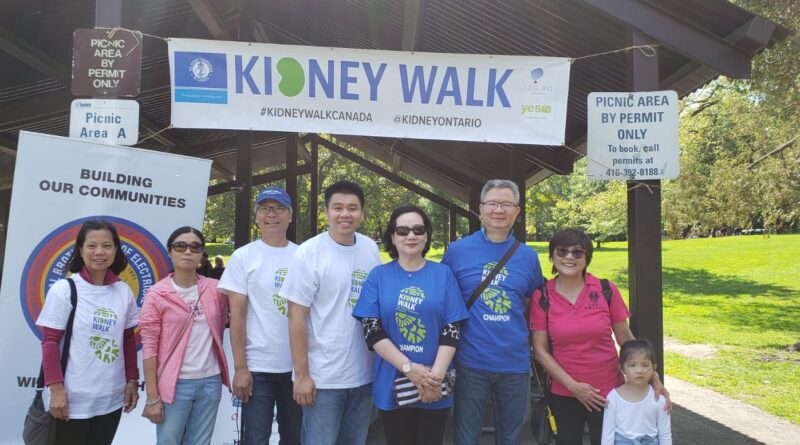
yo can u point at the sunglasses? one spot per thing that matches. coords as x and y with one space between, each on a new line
404 231
576 253
180 246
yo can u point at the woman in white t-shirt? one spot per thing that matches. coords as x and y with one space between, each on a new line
182 323
101 377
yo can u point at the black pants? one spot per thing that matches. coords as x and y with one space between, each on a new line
571 416
98 430
414 426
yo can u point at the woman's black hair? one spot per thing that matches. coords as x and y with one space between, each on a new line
76 260
402 210
180 231
572 237
640 345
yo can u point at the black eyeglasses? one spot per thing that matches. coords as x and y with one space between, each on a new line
404 231
180 246
576 253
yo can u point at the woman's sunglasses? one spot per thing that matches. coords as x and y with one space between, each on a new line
403 230
180 246
576 253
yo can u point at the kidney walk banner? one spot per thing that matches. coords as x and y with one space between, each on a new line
58 184
461 97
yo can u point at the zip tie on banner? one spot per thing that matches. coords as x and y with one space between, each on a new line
638 183
154 134
647 51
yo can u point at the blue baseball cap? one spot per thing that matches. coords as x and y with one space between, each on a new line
275 193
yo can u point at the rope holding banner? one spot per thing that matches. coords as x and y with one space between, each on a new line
154 134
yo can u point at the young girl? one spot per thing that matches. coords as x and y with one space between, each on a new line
633 416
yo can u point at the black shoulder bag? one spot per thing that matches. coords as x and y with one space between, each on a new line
40 427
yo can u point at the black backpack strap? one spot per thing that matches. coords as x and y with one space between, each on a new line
607 292
73 299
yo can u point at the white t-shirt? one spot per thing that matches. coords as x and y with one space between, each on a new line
635 419
327 277
198 360
257 271
95 378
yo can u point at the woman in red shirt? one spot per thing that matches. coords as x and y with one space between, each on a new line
572 339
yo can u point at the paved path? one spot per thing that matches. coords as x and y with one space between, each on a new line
699 416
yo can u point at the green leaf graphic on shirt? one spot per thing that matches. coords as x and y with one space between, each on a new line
357 280
106 349
279 301
412 328
497 300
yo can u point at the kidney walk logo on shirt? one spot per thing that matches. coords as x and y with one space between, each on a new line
356 282
406 317
101 341
494 297
279 301
148 262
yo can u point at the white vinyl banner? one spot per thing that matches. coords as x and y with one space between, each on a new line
461 97
58 184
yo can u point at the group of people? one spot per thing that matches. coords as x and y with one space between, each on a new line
304 320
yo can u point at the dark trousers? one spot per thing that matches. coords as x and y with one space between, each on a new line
414 426
271 390
571 416
98 430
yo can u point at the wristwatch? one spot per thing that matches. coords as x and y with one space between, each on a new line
406 367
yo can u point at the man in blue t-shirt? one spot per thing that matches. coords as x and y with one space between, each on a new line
493 359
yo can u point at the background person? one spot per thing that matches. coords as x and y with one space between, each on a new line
99 382
332 367
572 339
219 267
493 358
262 359
182 323
410 310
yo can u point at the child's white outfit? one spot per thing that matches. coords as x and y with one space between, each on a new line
638 423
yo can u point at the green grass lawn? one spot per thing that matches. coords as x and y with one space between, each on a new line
738 294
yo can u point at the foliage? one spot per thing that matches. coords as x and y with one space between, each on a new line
733 293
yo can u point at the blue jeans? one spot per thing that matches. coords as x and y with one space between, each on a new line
270 389
190 418
338 417
510 396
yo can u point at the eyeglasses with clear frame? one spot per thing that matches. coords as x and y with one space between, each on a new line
265 210
181 247
404 231
494 205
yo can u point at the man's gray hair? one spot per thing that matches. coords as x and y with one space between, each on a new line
500 184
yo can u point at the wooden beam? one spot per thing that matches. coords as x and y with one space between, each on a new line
644 225
32 56
679 36
436 199
292 143
266 178
453 169
211 19
8 145
414 11
107 13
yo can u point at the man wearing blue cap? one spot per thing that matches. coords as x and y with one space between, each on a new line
259 327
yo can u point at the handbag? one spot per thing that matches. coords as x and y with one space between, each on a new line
39 427
543 423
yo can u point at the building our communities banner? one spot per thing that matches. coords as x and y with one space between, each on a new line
461 97
58 184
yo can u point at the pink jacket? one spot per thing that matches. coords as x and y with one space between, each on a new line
161 319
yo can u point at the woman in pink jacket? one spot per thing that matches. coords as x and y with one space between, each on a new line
182 323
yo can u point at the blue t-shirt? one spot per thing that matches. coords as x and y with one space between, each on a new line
495 337
413 308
